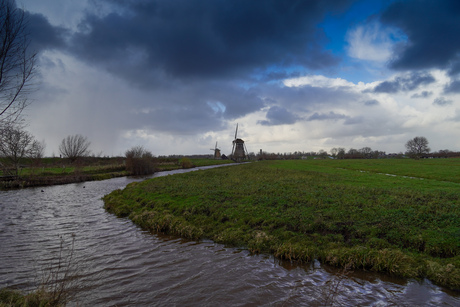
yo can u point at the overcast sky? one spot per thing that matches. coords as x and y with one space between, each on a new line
176 76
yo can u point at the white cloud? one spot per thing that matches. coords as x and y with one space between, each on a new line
317 81
371 42
385 125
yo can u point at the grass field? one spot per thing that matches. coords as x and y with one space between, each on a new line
347 213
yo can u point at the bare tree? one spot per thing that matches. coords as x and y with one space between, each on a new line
322 153
417 146
334 151
366 152
38 150
17 62
340 153
36 155
74 147
15 145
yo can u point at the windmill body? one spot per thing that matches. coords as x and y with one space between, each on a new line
239 151
217 154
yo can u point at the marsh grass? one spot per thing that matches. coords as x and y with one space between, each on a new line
319 209
13 298
334 286
58 285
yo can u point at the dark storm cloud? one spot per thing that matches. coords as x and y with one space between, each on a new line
306 98
388 87
372 102
327 116
432 29
238 102
424 94
205 38
278 116
453 87
442 101
199 103
203 61
180 120
279 75
408 83
43 35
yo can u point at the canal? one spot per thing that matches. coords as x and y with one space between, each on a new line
117 264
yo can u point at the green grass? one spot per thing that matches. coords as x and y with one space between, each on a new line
206 162
12 298
70 170
60 167
427 174
438 169
173 164
323 209
60 171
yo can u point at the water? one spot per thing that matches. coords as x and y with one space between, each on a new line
120 265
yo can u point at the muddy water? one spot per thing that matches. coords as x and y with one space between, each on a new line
120 265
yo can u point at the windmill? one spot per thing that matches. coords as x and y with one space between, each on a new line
216 152
239 151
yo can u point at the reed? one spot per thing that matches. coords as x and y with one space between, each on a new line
58 285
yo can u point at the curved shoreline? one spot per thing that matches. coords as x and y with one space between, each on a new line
41 181
299 216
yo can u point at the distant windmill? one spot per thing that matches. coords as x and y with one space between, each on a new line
239 151
216 152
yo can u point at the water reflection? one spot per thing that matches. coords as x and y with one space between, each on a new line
121 265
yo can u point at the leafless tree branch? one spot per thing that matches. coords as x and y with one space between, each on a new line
17 62
74 147
15 145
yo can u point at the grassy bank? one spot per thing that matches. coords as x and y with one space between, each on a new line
12 298
344 213
53 171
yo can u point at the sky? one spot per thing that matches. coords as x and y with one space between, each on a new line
177 76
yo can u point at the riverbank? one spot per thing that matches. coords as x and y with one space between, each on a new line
344 213
55 171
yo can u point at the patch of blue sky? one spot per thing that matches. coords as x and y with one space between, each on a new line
336 28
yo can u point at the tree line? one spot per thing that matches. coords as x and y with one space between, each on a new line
16 145
416 148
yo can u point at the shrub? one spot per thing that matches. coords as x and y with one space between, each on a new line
186 163
139 161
